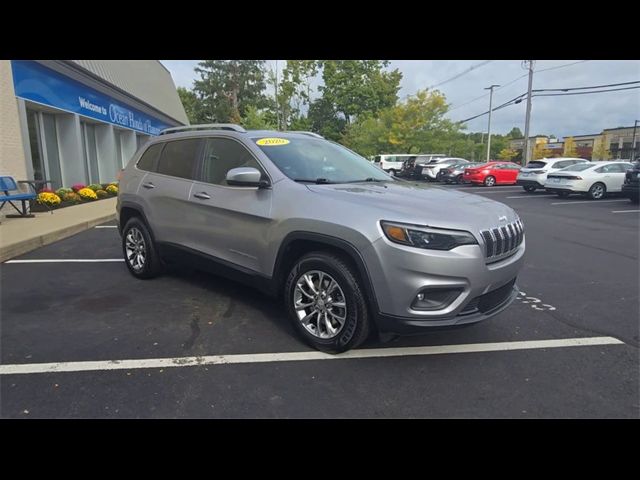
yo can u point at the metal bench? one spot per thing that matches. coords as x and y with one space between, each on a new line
12 194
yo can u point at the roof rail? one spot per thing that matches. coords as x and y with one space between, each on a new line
206 126
311 134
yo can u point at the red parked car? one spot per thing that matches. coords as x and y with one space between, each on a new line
492 173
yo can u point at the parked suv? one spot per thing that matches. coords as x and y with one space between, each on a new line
534 175
348 247
431 171
631 185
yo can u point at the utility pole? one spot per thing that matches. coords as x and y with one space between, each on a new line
528 115
489 129
633 142
277 105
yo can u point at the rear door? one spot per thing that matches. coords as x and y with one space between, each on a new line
166 190
229 222
613 176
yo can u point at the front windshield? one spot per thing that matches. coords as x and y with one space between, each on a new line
578 167
317 160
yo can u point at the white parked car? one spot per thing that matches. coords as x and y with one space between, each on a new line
431 171
393 163
595 179
534 175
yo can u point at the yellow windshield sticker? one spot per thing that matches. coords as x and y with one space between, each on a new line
272 142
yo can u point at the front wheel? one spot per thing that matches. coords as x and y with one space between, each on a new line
597 191
459 180
139 251
326 304
490 181
529 188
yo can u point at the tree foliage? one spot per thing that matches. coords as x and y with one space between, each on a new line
601 150
507 154
191 104
515 133
570 147
226 88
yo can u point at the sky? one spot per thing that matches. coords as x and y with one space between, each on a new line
463 81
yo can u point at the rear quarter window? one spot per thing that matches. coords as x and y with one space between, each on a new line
148 160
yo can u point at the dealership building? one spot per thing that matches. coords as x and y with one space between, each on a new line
80 121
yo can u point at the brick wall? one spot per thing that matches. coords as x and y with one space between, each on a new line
12 161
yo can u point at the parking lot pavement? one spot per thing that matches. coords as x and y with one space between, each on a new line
580 281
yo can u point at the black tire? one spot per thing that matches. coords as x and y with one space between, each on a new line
563 194
489 183
356 327
152 265
597 191
392 172
459 180
529 188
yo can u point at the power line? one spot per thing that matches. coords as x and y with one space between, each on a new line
561 66
585 88
585 93
473 67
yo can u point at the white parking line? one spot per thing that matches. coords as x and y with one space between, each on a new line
482 190
533 196
625 211
595 202
106 226
67 260
21 369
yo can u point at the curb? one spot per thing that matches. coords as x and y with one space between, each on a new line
7 252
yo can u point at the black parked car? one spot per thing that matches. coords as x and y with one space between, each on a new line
412 167
631 185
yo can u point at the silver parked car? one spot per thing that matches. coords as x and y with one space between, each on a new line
348 247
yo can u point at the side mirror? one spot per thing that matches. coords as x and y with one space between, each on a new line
245 177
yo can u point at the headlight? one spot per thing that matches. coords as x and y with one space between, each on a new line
425 237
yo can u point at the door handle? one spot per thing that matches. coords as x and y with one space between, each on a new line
202 195
148 185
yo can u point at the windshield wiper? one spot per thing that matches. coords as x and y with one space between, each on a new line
317 180
371 179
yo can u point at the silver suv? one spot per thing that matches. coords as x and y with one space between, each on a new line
348 247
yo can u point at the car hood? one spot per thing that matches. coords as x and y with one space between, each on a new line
418 204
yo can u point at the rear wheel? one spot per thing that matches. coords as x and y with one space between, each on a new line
392 172
325 303
459 179
597 191
490 181
139 251
529 188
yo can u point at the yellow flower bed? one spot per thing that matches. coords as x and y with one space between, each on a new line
87 194
47 198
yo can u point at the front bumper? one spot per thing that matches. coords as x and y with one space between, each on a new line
399 273
631 189
529 183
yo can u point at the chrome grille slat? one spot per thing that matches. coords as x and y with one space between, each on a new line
502 240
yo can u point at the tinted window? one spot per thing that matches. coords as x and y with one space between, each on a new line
148 160
536 164
178 158
377 159
220 156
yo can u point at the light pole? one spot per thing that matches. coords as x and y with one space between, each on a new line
489 128
528 115
633 142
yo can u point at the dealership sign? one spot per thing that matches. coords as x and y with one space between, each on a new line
40 84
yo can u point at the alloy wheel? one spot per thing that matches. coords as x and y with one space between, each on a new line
320 304
135 249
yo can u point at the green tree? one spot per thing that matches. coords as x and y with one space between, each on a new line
540 150
414 126
507 154
570 147
226 88
192 105
358 87
325 120
255 119
515 133
601 150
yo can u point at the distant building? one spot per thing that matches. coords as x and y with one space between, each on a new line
620 141
518 145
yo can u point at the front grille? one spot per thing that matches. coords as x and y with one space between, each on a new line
502 240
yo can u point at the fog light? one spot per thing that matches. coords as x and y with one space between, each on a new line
435 298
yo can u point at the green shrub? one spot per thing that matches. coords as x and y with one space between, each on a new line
102 194
61 192
95 187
